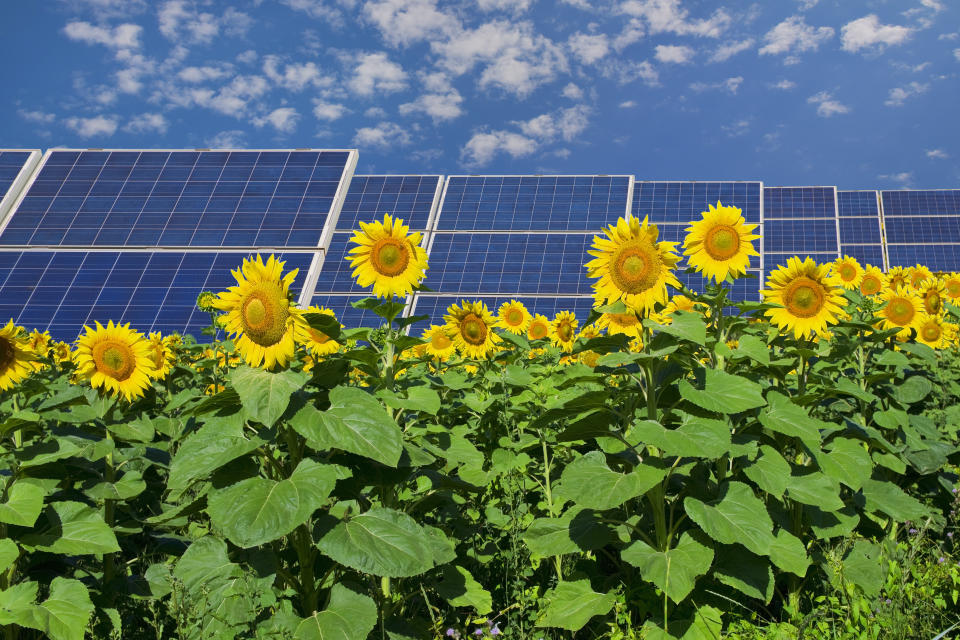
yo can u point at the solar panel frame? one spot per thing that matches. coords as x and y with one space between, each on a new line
13 182
409 219
774 217
859 212
901 213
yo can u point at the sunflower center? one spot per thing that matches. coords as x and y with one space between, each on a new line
624 319
440 341
900 311
114 359
7 354
635 268
565 332
318 336
931 332
514 317
389 256
870 285
537 331
931 302
473 329
953 288
722 242
263 316
847 272
804 297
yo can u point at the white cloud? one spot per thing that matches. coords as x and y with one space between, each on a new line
572 91
232 99
806 5
375 72
247 57
899 94
727 51
736 129
666 16
385 135
95 126
328 110
905 178
38 117
579 4
633 31
912 68
181 21
936 5
123 36
794 35
296 76
403 22
949 36
231 139
283 119
315 9
483 146
203 74
375 112
511 6
588 48
628 104
730 84
826 105
626 71
565 123
956 54
868 33
676 54
110 9
783 85
147 123
439 106
937 154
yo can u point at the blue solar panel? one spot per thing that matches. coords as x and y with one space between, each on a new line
921 203
860 231
180 199
938 257
923 227
858 204
796 236
11 164
409 197
776 260
860 227
436 307
799 202
865 254
532 203
348 316
682 202
916 230
154 291
743 288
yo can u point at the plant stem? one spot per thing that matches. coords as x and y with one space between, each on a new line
109 567
306 557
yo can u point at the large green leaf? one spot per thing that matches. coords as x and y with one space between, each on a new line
783 416
832 524
207 449
815 489
694 437
590 483
130 485
205 562
578 530
913 389
17 604
65 613
862 566
738 517
23 505
570 605
754 348
674 570
770 471
73 529
847 462
459 588
788 553
9 551
257 510
348 616
723 393
686 325
355 422
892 500
383 542
265 395
746 572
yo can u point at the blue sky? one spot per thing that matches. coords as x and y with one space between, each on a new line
791 92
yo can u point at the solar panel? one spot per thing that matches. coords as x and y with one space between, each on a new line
153 290
860 227
922 226
776 260
799 202
533 203
799 236
436 306
799 221
343 309
16 165
414 198
216 199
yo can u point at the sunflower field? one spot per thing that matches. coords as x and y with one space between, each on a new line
677 466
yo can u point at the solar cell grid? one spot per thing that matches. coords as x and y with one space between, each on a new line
11 164
781 236
154 291
410 197
921 202
180 199
860 231
682 202
939 257
857 204
865 254
916 230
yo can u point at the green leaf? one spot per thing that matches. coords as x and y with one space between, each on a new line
348 616
324 323
65 613
382 542
23 505
257 510
9 551
746 572
815 489
265 395
675 570
590 483
783 416
694 437
139 430
862 566
686 325
17 604
418 399
738 517
207 449
770 471
18 420
893 359
355 422
788 553
891 500
832 524
459 588
517 376
723 393
205 562
73 529
578 530
753 348
130 485
570 605
847 462
913 389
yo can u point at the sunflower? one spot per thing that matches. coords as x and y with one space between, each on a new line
849 271
386 257
162 356
116 358
632 266
872 282
808 296
934 332
16 357
931 292
897 277
439 345
316 342
721 243
539 328
470 327
564 331
902 310
627 324
589 332
951 286
918 275
259 312
514 317
62 353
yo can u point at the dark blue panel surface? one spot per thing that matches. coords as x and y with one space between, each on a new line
938 257
683 202
798 202
773 261
860 230
154 291
857 204
744 288
920 203
926 229
796 236
348 316
533 203
407 197
178 198
865 254
11 163
436 307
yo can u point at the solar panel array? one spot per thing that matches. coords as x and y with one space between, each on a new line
799 221
15 167
923 227
861 228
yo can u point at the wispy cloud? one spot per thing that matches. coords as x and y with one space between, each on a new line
676 54
937 154
904 178
730 84
900 94
483 146
783 85
826 105
793 36
727 51
123 36
385 135
103 126
867 33
147 123
283 119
